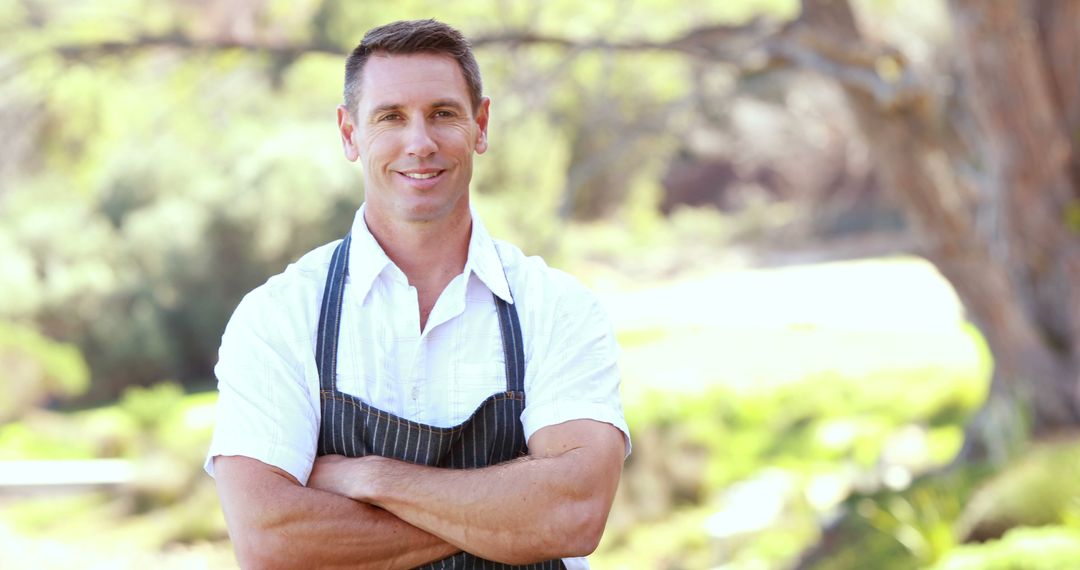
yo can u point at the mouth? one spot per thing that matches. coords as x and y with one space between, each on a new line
420 174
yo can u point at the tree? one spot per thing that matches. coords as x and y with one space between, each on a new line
988 174
991 184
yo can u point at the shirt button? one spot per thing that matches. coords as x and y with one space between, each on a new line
415 392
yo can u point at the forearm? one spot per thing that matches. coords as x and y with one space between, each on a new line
334 531
553 504
275 522
517 512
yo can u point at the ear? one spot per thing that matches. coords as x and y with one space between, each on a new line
482 115
347 128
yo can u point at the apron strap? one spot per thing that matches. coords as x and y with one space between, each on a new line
326 342
330 316
513 348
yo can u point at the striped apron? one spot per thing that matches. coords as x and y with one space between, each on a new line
352 428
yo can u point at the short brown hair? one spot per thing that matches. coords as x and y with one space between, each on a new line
408 37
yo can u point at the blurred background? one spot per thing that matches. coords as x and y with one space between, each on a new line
838 240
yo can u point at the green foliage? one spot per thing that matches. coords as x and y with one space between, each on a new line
1041 488
927 524
152 407
147 421
844 430
640 245
34 368
905 529
156 185
44 515
830 418
1046 548
678 543
920 520
42 436
166 431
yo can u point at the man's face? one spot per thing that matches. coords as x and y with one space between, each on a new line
414 132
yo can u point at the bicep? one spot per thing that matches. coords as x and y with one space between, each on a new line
234 470
245 487
595 449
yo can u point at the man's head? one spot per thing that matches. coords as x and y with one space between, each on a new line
412 37
413 120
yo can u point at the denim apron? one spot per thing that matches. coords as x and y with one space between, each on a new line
352 428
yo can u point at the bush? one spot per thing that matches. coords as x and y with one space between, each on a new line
1022 548
34 369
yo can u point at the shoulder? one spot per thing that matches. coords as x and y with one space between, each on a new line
290 298
541 289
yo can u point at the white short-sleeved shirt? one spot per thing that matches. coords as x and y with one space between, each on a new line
268 405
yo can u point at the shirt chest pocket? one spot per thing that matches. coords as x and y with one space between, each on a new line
489 375
363 376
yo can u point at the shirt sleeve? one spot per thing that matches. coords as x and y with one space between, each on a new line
265 409
573 373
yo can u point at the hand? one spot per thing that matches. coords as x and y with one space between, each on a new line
352 477
332 473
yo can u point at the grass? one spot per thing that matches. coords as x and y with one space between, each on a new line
788 371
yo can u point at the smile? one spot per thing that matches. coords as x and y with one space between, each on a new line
421 175
422 178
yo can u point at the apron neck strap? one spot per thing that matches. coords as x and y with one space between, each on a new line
326 343
513 348
330 316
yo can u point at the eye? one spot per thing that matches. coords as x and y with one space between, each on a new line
389 117
444 114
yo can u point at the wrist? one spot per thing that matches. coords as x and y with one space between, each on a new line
367 482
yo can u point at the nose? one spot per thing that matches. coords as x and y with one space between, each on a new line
420 142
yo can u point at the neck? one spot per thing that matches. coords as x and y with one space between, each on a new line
429 253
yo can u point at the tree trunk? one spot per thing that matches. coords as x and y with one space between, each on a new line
1003 238
1014 85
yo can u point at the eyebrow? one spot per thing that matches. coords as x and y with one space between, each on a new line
383 109
448 103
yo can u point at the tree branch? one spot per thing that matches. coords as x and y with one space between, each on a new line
880 72
186 42
757 46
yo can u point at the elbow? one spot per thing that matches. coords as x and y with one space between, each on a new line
571 530
255 551
263 548
575 529
246 558
584 528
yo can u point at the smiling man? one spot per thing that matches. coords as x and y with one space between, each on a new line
417 393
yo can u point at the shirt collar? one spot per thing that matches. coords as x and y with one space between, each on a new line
366 257
367 260
484 261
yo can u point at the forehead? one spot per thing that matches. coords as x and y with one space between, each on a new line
391 79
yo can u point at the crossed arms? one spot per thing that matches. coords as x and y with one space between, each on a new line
378 512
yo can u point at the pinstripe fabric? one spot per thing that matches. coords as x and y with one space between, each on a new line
352 428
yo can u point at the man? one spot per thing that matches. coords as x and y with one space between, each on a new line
417 393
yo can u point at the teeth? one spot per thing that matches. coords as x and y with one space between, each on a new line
419 176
